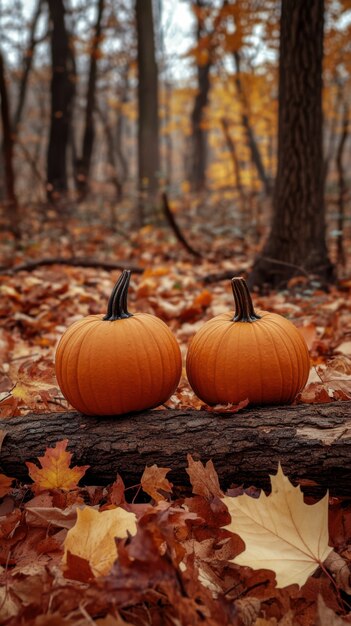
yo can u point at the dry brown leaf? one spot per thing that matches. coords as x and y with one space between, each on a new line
248 610
5 484
326 616
340 570
204 479
154 480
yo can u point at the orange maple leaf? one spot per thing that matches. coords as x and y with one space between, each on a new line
153 480
55 471
5 484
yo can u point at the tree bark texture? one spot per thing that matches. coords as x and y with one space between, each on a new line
252 144
312 442
148 127
83 164
198 154
7 152
27 66
296 244
340 247
62 93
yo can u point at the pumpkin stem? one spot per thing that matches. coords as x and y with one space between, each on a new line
244 310
117 308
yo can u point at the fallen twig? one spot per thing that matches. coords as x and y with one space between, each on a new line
29 266
173 224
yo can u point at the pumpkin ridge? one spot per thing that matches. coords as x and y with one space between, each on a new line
171 362
141 374
78 386
299 354
224 340
68 347
259 367
74 346
70 332
200 352
101 337
265 328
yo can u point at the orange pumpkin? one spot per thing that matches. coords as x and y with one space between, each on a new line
118 363
262 357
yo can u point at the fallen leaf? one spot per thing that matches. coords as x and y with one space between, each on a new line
93 537
226 408
154 480
280 531
340 570
344 348
204 479
5 484
55 471
326 616
248 610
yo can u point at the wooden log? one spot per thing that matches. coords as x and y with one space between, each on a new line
312 442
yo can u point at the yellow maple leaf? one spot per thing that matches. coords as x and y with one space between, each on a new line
280 531
55 471
93 536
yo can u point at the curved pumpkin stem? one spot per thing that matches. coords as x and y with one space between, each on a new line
117 308
244 310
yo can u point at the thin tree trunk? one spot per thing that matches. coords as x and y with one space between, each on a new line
198 156
250 135
84 162
168 135
236 165
148 127
111 153
62 93
341 257
296 244
122 160
7 150
27 66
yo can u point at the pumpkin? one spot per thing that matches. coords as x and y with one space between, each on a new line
118 363
262 357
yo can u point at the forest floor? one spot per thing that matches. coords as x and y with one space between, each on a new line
36 306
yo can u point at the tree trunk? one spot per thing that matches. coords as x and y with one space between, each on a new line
198 157
255 152
84 162
236 165
7 152
111 153
312 442
62 93
27 66
296 244
148 126
122 160
340 247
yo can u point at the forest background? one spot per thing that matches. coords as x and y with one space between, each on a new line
189 141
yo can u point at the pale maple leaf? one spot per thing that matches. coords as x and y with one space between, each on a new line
203 478
55 471
154 480
93 536
280 531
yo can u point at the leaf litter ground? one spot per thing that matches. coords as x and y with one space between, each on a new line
179 567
